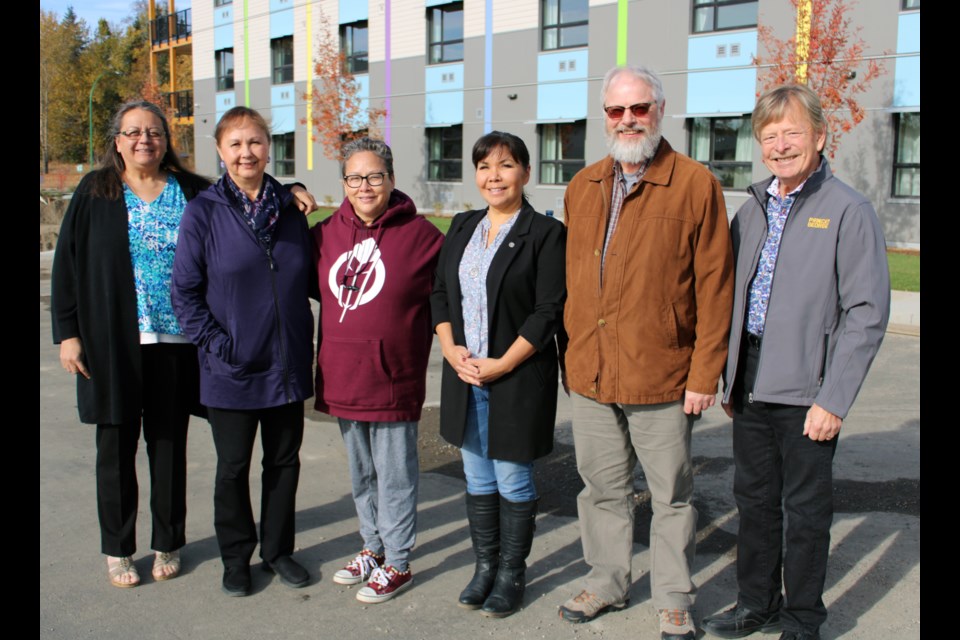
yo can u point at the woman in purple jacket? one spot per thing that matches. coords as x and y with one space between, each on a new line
241 281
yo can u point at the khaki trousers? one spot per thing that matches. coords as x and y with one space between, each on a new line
609 439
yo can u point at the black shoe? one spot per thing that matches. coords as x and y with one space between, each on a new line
236 581
483 514
739 622
289 572
800 635
517 523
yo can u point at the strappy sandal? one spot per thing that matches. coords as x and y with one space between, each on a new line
119 568
166 565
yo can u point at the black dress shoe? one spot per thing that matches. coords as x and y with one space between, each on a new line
739 622
800 635
236 581
289 572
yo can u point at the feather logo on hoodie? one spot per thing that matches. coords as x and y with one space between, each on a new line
357 276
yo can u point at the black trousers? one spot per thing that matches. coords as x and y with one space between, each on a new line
166 413
779 470
234 432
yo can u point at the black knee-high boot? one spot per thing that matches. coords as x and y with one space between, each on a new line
483 514
517 523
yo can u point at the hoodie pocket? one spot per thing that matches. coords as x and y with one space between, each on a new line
355 373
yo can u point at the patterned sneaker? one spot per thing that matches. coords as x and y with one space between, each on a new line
676 624
359 569
384 584
586 606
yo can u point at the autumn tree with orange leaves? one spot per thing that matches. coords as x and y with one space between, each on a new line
338 115
830 60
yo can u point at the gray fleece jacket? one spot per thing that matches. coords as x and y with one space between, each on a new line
830 297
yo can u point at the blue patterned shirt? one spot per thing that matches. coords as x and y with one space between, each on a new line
153 228
473 284
778 207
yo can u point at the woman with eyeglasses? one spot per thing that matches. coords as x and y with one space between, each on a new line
375 264
241 281
497 306
118 334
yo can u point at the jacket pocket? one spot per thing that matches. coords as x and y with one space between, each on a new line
354 373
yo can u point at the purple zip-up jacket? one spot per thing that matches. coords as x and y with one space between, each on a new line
245 308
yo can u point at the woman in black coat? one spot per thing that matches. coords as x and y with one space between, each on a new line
497 306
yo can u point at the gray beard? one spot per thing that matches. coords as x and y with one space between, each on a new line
626 152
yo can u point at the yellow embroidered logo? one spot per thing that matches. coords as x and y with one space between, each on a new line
818 223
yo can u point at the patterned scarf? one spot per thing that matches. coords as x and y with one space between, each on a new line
260 214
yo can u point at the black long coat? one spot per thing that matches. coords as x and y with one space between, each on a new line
94 298
526 289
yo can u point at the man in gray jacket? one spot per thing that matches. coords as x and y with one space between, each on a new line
810 308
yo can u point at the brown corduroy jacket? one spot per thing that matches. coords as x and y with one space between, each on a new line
659 323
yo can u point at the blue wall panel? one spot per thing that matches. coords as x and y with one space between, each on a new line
225 101
722 91
352 11
223 27
719 50
562 65
281 18
906 86
283 94
283 119
562 92
444 94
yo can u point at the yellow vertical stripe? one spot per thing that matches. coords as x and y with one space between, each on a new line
804 10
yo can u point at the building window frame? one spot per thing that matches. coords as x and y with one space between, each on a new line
444 41
554 28
283 150
281 60
906 156
562 151
221 3
725 146
445 153
706 16
223 62
355 60
910 5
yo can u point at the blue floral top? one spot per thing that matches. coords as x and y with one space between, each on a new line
153 228
473 284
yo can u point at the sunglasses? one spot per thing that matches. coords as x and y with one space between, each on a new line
638 110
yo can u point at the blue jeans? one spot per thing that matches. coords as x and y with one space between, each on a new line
384 472
512 480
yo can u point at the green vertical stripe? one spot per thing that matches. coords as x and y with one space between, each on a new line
246 56
621 32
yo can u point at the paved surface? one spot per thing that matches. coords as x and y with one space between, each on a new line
873 584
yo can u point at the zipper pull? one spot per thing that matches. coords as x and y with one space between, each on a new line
273 265
750 397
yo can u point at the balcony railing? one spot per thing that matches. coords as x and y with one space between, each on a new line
181 101
172 27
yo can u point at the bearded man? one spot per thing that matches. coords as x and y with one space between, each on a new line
650 288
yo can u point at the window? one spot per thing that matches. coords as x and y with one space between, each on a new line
445 153
220 3
906 163
718 15
561 151
281 55
725 145
284 157
353 44
564 24
445 32
224 58
910 4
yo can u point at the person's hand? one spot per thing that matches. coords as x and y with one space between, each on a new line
303 199
488 369
457 357
727 408
71 357
563 381
695 403
821 425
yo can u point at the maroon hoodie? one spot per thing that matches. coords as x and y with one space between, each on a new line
375 331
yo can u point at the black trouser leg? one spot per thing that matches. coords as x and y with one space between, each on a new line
117 489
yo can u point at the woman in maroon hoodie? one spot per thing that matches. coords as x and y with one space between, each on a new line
375 264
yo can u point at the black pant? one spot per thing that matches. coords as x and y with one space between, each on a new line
234 432
166 413
778 470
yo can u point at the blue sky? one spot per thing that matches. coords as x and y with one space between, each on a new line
115 11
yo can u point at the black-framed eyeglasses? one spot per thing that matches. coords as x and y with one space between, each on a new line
373 179
134 134
638 110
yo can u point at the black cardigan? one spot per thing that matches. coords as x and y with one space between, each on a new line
526 289
93 297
